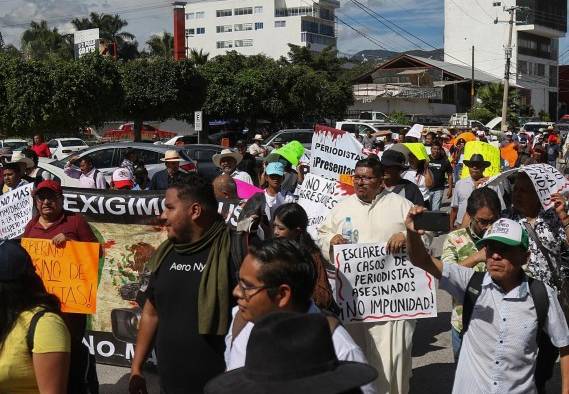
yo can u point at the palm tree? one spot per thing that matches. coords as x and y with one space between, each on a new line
161 45
110 27
199 58
39 42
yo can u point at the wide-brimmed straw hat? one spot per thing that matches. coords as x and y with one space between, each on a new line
171 156
226 153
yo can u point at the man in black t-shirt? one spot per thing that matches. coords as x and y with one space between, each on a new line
442 171
393 163
187 310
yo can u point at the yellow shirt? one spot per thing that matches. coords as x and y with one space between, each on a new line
16 367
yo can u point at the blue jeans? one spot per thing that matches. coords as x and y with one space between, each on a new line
457 171
437 199
456 343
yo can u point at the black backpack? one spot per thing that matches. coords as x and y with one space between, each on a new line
547 353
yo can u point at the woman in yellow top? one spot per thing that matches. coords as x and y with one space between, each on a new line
34 358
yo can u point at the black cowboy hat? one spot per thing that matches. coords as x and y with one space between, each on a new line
393 158
477 158
292 353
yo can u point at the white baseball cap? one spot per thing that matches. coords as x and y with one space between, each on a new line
508 232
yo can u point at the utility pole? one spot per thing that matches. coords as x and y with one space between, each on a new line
472 83
508 49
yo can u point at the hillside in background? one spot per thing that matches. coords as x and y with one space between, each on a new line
380 55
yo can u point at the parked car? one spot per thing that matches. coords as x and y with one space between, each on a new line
56 173
126 132
377 129
63 147
533 127
107 157
233 136
304 136
14 144
186 139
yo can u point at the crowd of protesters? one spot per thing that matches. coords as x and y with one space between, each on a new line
251 308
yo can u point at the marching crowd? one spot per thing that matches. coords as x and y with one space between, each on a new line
252 310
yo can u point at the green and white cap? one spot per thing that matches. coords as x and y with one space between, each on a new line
508 232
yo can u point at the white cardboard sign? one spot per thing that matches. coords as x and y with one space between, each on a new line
318 195
16 208
334 152
373 285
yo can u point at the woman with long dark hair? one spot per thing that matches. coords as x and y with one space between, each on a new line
34 340
291 222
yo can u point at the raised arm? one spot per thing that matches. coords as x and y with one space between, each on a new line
416 250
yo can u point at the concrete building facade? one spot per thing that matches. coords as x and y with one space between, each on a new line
254 27
535 41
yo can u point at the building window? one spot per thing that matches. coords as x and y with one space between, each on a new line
280 23
200 30
243 11
317 39
220 13
243 26
190 32
522 67
243 43
327 30
200 15
224 29
259 9
540 70
258 25
190 15
294 11
553 76
224 44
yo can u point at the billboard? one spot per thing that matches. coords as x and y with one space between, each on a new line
85 41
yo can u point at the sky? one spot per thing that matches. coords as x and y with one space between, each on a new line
422 18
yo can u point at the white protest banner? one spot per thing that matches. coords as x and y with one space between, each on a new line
318 195
334 152
373 285
15 211
546 180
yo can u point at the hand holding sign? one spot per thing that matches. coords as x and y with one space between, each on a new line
70 273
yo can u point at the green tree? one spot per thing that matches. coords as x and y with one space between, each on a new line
41 42
57 95
199 58
489 98
159 88
161 45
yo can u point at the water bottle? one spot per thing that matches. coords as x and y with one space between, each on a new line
347 230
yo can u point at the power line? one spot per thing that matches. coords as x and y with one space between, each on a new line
354 22
466 13
372 14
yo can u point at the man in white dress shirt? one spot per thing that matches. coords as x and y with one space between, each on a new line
278 276
89 177
227 162
500 348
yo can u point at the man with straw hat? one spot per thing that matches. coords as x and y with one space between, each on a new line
256 149
227 162
171 174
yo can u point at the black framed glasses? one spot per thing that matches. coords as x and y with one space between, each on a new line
483 222
249 292
364 179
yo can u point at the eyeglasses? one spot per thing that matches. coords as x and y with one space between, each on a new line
244 289
498 248
47 197
483 222
364 179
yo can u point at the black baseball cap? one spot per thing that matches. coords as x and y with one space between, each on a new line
15 262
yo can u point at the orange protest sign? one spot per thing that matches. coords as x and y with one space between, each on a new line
70 273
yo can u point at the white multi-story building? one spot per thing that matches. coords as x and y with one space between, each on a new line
535 40
254 27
